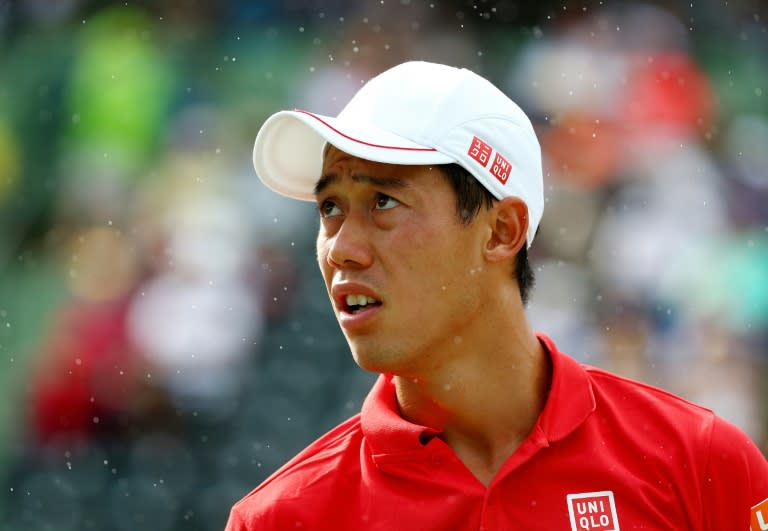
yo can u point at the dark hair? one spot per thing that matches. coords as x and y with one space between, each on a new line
471 196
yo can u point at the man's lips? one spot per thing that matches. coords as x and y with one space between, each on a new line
354 297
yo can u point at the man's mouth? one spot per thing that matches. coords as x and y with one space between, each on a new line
358 303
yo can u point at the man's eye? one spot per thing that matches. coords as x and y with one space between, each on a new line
385 202
328 208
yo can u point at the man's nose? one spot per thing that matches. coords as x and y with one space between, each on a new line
350 246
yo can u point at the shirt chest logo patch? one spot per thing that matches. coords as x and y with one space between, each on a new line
593 511
759 521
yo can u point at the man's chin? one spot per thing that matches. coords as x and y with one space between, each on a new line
369 358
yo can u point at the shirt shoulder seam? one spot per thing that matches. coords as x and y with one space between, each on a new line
652 389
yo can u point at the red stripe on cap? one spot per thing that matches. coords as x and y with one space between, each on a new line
329 126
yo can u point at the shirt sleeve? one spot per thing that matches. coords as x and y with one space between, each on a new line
235 523
735 478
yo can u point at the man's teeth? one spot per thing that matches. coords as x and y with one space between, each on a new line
359 300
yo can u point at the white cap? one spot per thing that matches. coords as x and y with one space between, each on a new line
414 113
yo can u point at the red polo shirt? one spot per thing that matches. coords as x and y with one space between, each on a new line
605 454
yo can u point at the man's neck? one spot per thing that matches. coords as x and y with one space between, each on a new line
485 402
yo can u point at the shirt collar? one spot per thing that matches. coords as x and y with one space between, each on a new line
569 403
570 400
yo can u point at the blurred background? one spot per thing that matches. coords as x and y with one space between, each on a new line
165 338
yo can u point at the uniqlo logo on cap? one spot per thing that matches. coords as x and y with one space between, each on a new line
759 520
593 511
480 151
501 168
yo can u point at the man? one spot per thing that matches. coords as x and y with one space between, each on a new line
429 191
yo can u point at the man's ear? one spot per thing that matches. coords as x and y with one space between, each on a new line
509 226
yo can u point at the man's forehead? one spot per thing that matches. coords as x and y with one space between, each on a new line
331 154
365 171
334 159
381 181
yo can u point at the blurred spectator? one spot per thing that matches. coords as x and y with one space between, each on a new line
90 380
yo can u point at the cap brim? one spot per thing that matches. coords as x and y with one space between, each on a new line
288 152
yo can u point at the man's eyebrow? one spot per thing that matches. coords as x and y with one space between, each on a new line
382 182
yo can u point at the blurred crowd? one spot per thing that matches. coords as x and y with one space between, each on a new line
165 339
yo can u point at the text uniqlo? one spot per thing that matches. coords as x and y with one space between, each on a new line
501 168
593 511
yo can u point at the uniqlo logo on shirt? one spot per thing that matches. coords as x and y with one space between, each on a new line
480 151
759 520
501 168
593 511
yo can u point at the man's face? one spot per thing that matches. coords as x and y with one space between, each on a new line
405 276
